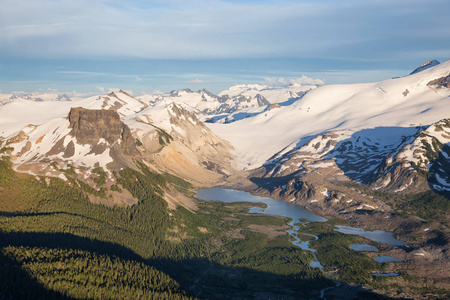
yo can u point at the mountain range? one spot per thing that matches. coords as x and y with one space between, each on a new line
356 151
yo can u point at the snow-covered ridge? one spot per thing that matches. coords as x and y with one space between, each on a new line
232 100
7 98
426 65
400 102
261 120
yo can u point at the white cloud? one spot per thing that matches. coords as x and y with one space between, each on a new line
19 93
196 81
200 28
304 80
100 88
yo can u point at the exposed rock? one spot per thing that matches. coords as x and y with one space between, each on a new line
89 126
192 150
443 82
273 106
425 65
261 100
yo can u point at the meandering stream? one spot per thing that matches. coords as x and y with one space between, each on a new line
296 213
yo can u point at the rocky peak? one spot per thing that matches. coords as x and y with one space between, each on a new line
89 126
181 113
179 93
206 92
262 101
425 65
113 95
125 93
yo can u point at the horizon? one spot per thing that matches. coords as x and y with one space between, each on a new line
80 84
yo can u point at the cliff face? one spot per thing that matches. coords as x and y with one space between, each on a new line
89 126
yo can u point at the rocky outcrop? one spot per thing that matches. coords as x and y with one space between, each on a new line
425 65
443 82
90 126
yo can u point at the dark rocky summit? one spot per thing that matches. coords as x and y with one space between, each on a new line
89 126
425 65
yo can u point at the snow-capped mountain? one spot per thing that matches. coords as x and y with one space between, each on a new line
403 102
298 140
110 132
235 99
393 136
202 100
273 94
7 98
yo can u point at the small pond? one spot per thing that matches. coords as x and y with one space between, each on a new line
377 235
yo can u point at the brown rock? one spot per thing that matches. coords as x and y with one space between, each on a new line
89 126
443 82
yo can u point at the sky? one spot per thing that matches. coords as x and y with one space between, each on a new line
91 46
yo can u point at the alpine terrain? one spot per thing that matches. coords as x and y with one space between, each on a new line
98 195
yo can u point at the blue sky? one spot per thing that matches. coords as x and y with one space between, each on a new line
94 45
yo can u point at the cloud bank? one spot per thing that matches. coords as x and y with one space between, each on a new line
198 29
303 80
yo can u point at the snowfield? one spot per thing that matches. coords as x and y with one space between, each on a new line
401 102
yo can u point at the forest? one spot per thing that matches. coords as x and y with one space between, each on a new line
57 244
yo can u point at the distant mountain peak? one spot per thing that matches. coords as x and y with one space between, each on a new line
425 65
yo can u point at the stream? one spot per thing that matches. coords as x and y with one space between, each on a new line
274 207
296 213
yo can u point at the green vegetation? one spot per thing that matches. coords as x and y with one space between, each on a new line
429 205
115 188
90 190
304 237
81 274
164 138
335 255
101 179
69 171
261 220
4 149
56 244
277 256
177 181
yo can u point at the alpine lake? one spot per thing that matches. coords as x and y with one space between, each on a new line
306 226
